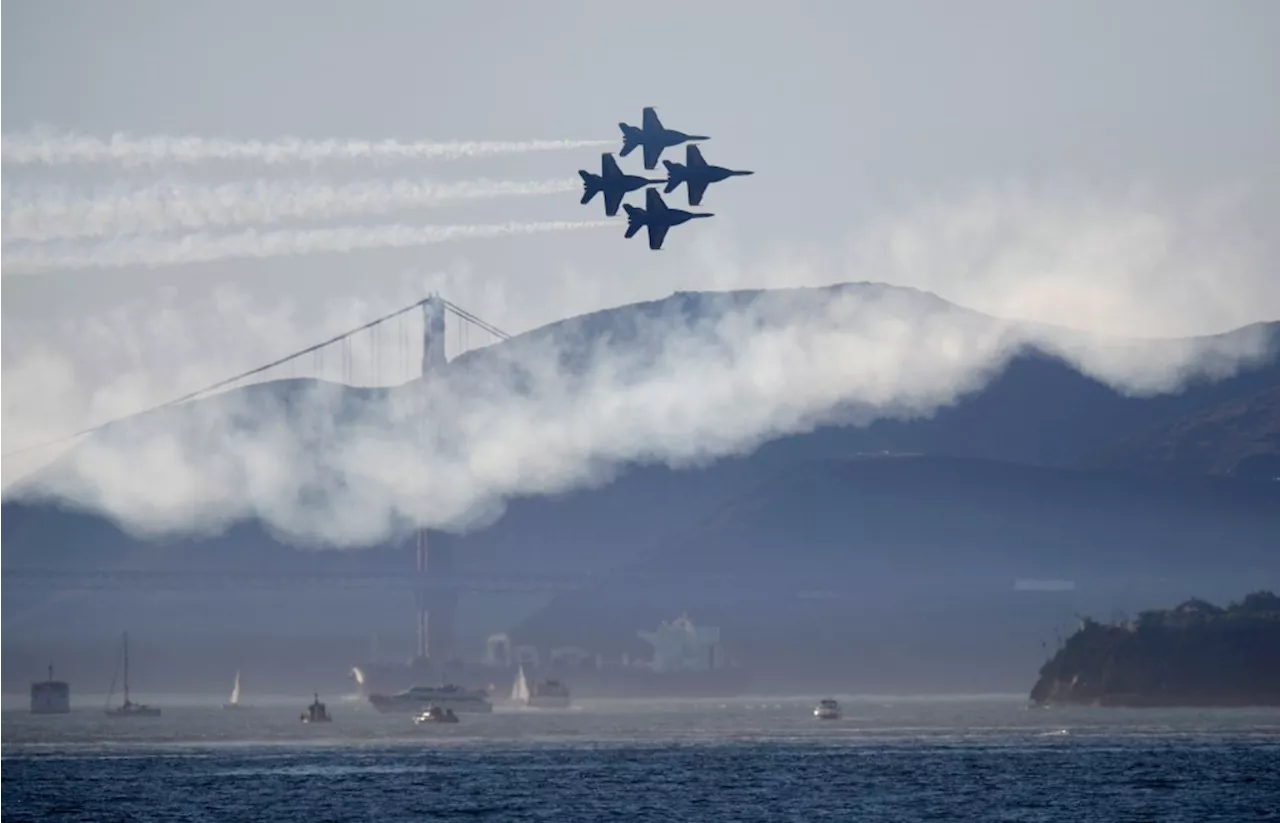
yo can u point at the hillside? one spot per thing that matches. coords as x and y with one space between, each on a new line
885 558
1240 437
1038 410
1197 654
993 497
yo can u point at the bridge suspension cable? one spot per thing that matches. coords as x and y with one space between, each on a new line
453 308
471 318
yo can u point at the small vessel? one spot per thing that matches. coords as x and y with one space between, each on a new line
549 694
688 661
316 712
827 709
235 703
435 714
421 698
128 708
50 696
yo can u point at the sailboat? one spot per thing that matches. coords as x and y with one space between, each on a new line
235 695
549 694
128 708
520 689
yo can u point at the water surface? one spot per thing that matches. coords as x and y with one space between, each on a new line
978 758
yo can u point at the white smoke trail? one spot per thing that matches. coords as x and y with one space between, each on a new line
69 148
203 248
58 213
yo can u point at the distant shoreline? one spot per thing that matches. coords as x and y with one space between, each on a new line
1196 655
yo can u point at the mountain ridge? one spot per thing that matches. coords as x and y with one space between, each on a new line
1039 409
1040 416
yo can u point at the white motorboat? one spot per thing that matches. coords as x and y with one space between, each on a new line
827 709
435 714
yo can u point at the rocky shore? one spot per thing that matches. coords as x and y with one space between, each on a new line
1196 654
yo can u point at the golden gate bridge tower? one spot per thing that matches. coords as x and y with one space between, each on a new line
371 361
437 608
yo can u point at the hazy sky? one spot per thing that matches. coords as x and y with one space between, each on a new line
846 110
1106 165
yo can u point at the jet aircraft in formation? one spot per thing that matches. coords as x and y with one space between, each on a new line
657 216
653 136
696 174
612 182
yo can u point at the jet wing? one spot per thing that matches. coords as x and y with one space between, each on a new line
612 199
696 190
609 167
693 156
651 153
653 202
656 235
651 121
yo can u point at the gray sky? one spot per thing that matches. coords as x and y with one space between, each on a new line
1105 165
842 108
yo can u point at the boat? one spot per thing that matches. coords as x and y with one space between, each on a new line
688 661
549 694
420 698
606 680
827 709
235 703
50 696
128 708
435 714
316 712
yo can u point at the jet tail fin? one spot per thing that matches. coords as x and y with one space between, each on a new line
590 186
675 175
635 219
630 139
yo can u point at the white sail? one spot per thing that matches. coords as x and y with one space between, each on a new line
235 690
520 691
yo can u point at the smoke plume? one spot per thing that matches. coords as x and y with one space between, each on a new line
49 213
51 149
203 248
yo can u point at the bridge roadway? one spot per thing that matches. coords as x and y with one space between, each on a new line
806 584
186 580
210 580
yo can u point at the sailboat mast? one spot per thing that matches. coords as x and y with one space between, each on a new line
126 668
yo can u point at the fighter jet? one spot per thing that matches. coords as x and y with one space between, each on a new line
657 216
612 182
696 174
653 136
